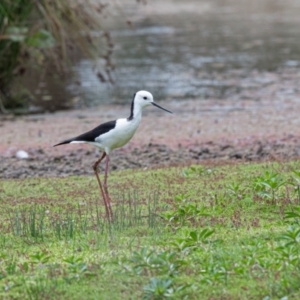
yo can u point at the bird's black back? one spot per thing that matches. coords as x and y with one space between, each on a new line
91 135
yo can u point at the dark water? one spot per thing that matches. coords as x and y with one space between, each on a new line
201 49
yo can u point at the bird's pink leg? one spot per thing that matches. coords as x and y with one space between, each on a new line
106 189
95 167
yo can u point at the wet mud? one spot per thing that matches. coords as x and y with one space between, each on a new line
79 162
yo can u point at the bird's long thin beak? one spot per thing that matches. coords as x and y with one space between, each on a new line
153 103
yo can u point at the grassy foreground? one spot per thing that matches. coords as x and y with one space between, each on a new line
230 232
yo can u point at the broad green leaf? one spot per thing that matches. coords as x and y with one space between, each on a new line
41 39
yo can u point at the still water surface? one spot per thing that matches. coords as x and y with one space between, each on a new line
195 49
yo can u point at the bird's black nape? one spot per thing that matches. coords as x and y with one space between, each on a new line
131 108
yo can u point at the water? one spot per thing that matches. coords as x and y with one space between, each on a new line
199 49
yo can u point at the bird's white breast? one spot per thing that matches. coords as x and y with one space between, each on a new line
118 136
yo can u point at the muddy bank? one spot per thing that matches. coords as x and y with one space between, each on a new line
261 123
79 162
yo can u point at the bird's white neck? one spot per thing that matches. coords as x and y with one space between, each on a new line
135 113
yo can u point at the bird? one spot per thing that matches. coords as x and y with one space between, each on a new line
111 135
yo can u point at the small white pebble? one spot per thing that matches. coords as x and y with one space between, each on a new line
22 154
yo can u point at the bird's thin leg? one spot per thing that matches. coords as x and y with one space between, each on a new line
95 167
105 187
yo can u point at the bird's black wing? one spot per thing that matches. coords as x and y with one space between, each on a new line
91 135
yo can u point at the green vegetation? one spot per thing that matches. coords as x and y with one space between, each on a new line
41 39
228 232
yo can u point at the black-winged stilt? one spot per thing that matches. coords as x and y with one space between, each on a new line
112 135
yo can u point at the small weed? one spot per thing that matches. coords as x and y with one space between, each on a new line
185 211
268 184
193 240
236 189
161 289
149 261
292 236
76 267
294 215
196 171
130 212
39 257
296 184
29 222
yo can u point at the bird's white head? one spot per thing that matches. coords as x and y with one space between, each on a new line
143 99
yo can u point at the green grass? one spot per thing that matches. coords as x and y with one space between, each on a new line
195 232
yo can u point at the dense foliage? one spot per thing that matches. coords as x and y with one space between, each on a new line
45 35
